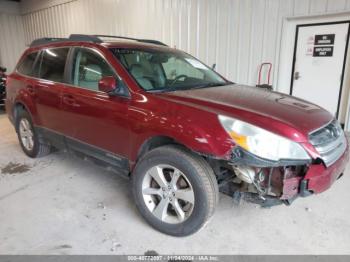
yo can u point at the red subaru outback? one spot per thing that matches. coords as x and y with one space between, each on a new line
178 129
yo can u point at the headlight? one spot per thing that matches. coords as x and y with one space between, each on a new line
261 142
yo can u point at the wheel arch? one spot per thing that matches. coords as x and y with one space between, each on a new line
16 109
206 150
154 142
162 140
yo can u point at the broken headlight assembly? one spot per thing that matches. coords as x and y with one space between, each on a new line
261 142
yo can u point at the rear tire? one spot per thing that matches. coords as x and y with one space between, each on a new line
187 205
32 143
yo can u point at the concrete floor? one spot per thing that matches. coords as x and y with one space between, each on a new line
63 205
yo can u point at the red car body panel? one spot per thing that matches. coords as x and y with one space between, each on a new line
321 178
288 116
122 125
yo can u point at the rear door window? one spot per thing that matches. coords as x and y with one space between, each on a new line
53 63
26 66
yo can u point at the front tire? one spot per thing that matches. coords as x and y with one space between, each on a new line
175 191
32 143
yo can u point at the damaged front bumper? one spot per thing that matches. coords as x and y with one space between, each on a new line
283 181
320 178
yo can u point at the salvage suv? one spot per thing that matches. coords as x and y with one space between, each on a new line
178 129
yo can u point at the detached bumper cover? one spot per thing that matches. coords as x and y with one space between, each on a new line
319 178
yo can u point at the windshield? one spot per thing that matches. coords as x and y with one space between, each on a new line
167 71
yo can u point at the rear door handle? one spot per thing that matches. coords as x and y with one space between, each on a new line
69 100
30 89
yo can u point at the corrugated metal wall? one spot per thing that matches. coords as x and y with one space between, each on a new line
11 39
237 35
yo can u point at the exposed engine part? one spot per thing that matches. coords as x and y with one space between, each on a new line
266 185
260 190
245 173
261 177
252 176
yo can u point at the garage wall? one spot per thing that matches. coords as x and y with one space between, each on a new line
236 35
11 34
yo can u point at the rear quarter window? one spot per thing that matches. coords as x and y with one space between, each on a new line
26 66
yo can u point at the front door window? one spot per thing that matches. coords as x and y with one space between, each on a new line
88 69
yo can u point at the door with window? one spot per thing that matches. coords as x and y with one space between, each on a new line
319 63
50 74
26 68
91 116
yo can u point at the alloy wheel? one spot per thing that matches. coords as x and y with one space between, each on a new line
168 194
26 134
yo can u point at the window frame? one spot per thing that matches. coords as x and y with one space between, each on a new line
41 55
67 76
70 66
112 50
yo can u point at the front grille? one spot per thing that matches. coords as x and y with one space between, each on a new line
330 142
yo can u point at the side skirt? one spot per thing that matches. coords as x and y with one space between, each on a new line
83 150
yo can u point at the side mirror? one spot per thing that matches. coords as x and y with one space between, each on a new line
107 84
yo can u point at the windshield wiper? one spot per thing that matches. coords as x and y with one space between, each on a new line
167 89
210 85
170 89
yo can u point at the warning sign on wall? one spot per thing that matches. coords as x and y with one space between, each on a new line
324 39
323 51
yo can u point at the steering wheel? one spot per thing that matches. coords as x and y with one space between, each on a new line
177 79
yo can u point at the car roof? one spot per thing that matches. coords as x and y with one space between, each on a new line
108 45
91 38
96 40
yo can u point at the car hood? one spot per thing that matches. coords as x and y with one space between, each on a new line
279 113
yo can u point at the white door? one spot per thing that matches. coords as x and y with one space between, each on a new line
318 63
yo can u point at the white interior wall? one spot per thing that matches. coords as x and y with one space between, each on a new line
11 34
9 7
237 35
28 6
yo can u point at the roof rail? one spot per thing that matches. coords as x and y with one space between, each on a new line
89 38
84 38
46 40
150 41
